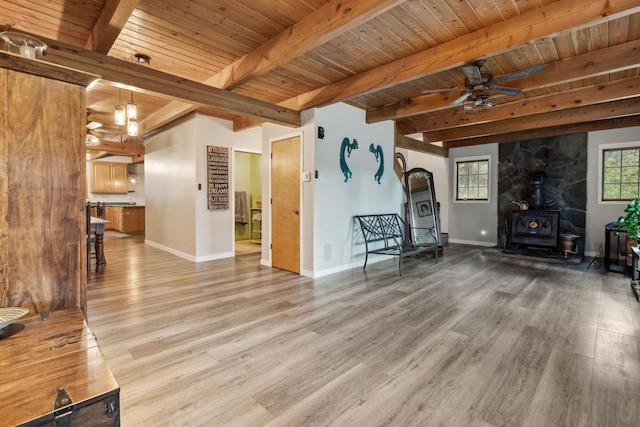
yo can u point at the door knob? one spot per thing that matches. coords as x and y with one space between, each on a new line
295 211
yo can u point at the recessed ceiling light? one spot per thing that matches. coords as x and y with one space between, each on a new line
141 58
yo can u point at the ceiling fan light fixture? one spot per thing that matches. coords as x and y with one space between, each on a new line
478 104
91 140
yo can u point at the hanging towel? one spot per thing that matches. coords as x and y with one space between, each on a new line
241 207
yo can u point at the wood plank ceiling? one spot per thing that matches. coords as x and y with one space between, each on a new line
266 60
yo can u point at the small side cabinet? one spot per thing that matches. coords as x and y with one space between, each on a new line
52 373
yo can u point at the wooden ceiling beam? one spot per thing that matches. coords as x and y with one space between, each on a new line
588 95
112 19
331 20
328 22
165 115
608 60
625 107
568 129
94 155
121 148
496 38
145 78
423 147
17 62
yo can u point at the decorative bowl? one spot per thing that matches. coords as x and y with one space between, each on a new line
9 315
23 44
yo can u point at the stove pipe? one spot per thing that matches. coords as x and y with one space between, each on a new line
537 190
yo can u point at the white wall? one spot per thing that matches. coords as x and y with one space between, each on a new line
337 201
177 216
178 219
465 224
329 203
215 228
601 213
170 190
468 220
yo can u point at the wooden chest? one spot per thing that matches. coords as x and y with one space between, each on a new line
52 373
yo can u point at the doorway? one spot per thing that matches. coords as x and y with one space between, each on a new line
285 203
247 178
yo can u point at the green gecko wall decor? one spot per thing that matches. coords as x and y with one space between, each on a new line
379 158
346 147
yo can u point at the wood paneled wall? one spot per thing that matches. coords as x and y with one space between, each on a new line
42 193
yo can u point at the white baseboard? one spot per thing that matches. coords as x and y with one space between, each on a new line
373 258
186 256
473 242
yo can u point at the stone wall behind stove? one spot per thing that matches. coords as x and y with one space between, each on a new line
563 159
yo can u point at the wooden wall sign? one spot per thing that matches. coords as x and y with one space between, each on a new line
217 177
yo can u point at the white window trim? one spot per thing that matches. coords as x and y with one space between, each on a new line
455 178
601 149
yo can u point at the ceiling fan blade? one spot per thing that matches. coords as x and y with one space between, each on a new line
461 99
505 90
440 90
519 74
93 125
473 74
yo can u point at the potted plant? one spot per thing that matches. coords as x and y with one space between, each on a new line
631 223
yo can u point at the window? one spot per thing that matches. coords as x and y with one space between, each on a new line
472 179
620 173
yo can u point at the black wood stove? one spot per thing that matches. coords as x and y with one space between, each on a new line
536 227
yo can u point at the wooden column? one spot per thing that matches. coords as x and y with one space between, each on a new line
42 185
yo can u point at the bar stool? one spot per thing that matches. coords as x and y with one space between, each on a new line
90 237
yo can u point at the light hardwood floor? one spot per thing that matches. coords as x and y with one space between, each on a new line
475 340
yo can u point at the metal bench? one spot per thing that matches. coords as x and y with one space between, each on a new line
383 234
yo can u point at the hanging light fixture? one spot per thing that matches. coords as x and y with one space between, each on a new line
132 109
477 103
132 127
120 116
132 117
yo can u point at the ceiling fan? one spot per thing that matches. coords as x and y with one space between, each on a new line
479 85
91 139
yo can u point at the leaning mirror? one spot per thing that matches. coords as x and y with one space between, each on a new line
422 208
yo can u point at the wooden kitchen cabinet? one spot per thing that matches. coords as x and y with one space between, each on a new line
108 215
109 177
128 219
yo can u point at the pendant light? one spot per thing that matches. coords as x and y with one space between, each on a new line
132 127
132 117
120 116
132 109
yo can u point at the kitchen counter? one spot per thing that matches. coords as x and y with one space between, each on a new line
128 218
117 204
